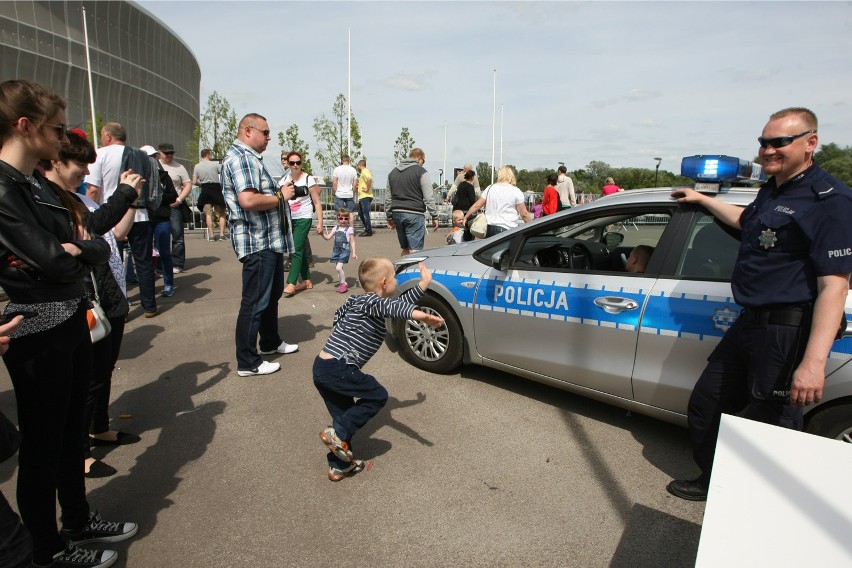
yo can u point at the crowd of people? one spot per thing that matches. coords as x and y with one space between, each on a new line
63 259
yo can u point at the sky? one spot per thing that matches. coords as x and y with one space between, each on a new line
618 82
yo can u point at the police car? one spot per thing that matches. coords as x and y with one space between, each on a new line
552 300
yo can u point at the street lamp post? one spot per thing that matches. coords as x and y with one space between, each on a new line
657 170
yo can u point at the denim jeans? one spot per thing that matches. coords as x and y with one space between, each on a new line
298 259
494 230
263 284
141 244
50 372
162 236
364 213
178 249
410 230
347 202
340 385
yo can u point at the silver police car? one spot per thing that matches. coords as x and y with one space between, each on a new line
553 301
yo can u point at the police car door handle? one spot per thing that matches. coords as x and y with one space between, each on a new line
616 305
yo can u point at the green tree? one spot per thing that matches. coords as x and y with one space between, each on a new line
483 172
330 134
403 145
291 142
217 129
95 133
836 160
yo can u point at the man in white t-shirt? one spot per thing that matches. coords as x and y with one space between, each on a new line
102 181
343 186
183 185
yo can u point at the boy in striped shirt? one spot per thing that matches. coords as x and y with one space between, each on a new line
358 332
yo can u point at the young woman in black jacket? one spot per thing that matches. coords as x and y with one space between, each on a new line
44 257
112 220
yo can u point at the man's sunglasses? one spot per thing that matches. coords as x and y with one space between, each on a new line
295 162
264 132
782 141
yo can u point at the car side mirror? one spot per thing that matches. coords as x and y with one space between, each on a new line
500 260
613 240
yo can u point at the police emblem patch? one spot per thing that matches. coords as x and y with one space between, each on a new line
767 239
724 318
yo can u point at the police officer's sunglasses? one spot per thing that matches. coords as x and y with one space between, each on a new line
782 141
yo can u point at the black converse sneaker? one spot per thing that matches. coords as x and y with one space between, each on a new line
99 530
76 557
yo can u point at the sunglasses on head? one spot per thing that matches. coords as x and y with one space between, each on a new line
782 141
295 162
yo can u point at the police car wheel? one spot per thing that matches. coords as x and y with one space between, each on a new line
437 350
833 422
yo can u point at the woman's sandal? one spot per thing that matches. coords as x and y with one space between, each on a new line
290 291
304 285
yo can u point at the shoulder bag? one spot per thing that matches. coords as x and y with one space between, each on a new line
99 326
479 227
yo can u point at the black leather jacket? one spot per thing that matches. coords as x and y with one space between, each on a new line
33 224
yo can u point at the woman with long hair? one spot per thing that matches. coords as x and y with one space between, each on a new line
45 254
303 206
503 202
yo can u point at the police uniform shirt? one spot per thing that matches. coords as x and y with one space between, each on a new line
790 236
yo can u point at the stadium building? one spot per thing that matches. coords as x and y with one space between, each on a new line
144 76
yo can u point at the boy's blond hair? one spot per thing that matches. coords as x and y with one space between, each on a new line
458 214
372 270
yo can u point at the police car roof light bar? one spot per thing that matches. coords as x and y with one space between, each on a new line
712 171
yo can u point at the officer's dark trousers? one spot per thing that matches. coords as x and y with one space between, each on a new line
749 374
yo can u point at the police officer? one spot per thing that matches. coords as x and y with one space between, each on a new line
791 277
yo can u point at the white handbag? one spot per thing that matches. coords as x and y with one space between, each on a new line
99 326
479 227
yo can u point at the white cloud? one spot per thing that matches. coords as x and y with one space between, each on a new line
411 81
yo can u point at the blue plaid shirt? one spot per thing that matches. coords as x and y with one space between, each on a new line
253 231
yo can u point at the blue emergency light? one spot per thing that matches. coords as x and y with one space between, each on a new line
711 172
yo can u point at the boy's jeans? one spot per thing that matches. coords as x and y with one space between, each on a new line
339 385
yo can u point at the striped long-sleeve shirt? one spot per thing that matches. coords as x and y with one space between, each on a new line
359 324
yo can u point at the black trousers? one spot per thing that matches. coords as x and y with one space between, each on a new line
104 356
50 371
749 374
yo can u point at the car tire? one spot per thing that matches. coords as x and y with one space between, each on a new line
437 350
833 422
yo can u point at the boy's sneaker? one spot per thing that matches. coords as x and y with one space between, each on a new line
335 474
168 290
99 530
285 348
335 445
82 558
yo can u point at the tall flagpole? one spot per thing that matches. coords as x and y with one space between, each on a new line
94 140
501 136
493 125
445 149
349 99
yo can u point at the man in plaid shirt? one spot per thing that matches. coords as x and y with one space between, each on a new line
260 228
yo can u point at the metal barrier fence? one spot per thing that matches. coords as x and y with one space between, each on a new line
377 210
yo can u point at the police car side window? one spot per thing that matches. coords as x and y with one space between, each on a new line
710 252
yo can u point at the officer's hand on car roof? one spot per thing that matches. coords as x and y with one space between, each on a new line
687 195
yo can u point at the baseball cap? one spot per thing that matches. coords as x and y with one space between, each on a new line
149 150
166 147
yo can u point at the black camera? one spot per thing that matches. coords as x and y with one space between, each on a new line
299 191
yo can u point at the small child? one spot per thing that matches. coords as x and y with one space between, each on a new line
344 242
357 333
456 233
538 208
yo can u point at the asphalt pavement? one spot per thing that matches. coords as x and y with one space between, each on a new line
477 468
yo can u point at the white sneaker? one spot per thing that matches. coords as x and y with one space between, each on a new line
284 348
265 368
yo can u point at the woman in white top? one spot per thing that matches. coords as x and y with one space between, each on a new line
303 206
504 204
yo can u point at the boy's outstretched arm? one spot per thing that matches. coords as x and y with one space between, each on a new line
429 319
425 277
